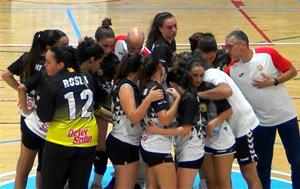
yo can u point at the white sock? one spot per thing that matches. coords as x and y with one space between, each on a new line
202 184
97 179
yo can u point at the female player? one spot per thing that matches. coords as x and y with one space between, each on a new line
155 148
128 111
220 141
27 65
189 140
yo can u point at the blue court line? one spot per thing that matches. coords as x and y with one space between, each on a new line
237 181
73 22
10 141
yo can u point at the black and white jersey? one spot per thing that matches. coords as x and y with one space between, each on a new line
223 137
123 129
17 68
103 79
155 142
191 146
164 50
222 60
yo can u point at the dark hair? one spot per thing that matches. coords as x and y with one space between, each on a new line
240 35
154 32
89 48
183 58
41 40
181 77
67 55
195 62
61 33
104 31
131 63
193 39
150 63
207 43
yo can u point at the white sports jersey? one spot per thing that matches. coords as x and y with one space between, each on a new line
123 129
155 142
35 125
243 118
189 147
272 105
222 139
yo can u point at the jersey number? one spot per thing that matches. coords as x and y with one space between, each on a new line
87 95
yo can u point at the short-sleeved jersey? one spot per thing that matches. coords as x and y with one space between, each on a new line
223 137
121 47
272 105
164 50
155 142
123 129
191 146
34 84
18 66
66 101
243 119
103 79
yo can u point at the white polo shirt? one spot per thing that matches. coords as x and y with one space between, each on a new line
272 105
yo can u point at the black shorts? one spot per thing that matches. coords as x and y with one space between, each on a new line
40 158
62 163
120 152
245 152
153 158
215 152
30 139
196 164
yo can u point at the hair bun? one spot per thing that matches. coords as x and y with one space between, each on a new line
106 22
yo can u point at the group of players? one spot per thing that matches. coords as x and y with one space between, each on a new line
158 102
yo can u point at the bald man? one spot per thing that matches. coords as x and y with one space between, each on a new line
133 42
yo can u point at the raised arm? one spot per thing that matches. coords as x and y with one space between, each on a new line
166 116
22 99
128 103
178 131
217 121
221 91
8 77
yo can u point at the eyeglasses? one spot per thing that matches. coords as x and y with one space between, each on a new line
231 46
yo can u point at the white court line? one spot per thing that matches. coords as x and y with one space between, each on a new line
13 173
272 171
274 178
13 180
22 45
259 44
178 44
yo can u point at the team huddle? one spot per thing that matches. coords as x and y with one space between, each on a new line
173 114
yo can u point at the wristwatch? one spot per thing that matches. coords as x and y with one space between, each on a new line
276 82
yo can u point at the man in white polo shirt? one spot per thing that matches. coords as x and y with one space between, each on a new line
260 74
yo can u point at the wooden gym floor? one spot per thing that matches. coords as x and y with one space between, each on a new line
268 22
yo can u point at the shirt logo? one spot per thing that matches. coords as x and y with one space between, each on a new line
241 74
260 68
203 107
